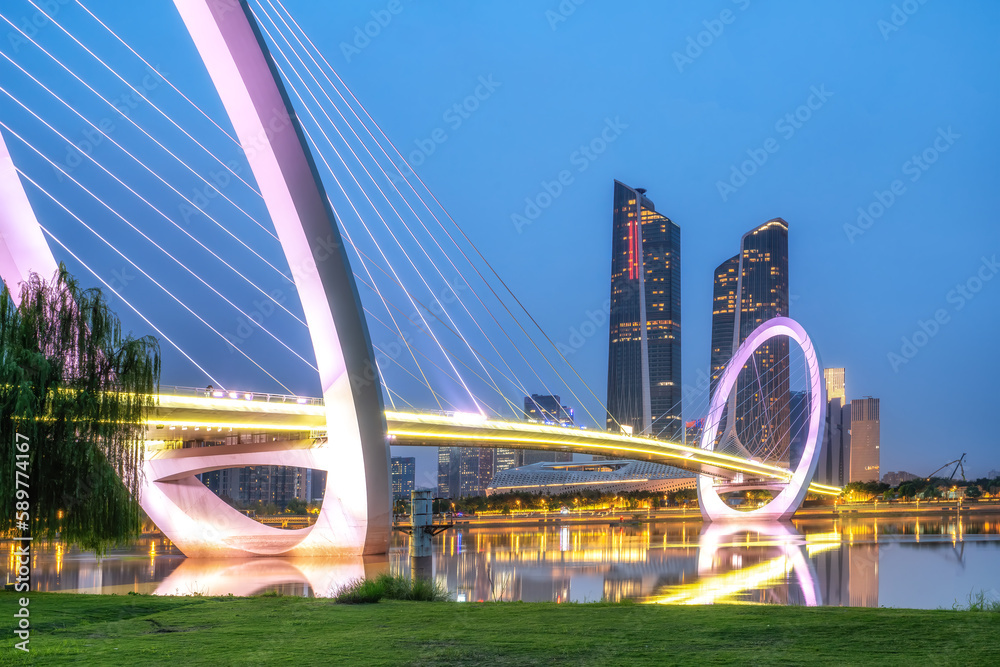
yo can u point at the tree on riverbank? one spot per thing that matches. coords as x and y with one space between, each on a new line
74 396
588 500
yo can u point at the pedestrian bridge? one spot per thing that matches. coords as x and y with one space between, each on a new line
184 414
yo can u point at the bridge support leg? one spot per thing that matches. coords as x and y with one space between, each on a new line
421 516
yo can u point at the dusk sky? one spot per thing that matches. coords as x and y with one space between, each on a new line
865 125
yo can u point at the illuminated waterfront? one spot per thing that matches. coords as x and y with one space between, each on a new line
923 562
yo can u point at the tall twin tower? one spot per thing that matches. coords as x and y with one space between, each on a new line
644 340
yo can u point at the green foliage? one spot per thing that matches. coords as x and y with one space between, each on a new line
296 506
865 489
978 602
973 491
506 503
930 492
759 496
390 587
79 391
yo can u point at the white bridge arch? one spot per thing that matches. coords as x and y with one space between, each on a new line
356 514
788 500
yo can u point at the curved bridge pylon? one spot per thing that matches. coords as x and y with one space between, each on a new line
788 500
356 515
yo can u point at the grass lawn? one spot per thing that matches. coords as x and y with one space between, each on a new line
148 630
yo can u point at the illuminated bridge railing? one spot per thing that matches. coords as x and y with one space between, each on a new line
187 409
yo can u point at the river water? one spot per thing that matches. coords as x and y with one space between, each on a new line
917 562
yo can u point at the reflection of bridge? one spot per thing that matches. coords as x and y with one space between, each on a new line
179 414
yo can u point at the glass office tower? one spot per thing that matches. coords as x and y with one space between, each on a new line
749 289
644 338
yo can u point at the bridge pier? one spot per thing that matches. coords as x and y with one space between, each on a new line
421 546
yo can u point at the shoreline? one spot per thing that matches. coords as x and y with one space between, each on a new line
632 517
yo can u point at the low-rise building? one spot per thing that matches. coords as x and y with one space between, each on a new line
608 476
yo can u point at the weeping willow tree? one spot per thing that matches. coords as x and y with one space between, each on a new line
77 392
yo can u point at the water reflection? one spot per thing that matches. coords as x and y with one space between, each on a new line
756 562
318 577
913 562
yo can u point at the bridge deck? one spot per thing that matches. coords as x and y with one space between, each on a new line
247 412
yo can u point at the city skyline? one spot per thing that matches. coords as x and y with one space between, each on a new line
904 316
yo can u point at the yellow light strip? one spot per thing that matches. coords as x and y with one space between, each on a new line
165 424
455 428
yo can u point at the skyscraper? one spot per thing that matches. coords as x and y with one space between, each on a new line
835 452
476 469
465 471
403 475
836 384
644 337
865 440
763 388
725 295
448 472
547 410
749 289
798 411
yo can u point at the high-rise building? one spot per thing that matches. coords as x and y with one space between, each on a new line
835 451
547 410
448 472
898 477
798 412
644 337
403 476
864 440
507 458
464 471
692 432
748 290
476 469
762 419
725 294
836 384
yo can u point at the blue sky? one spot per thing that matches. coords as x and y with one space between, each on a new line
893 119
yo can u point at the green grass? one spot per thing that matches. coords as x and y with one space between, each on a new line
390 587
147 630
978 602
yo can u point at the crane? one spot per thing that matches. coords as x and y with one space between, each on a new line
958 466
